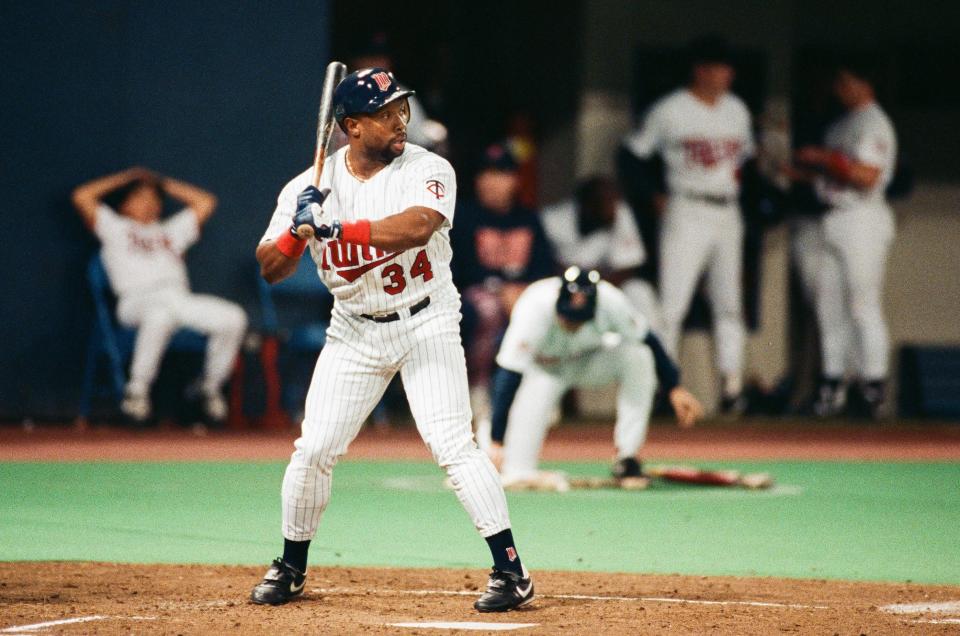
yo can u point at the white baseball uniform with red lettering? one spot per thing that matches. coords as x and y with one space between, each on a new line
857 232
144 262
703 147
605 350
361 356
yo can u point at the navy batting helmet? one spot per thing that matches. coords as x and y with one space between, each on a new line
365 91
578 295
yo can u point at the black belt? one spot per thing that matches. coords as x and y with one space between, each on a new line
711 199
414 309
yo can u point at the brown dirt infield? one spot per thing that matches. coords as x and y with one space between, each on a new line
173 599
178 599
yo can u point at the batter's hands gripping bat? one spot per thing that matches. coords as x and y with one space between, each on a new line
335 72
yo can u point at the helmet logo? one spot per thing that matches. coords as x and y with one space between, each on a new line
578 300
383 81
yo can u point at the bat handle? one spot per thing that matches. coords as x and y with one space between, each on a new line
305 231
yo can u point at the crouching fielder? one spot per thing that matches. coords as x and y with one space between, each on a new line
577 331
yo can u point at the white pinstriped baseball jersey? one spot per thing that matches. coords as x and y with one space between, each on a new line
367 280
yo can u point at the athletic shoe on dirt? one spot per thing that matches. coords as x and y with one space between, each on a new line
281 583
505 591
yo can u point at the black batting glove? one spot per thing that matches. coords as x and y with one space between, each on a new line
305 210
332 231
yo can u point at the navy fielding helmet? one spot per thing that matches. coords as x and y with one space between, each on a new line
365 91
578 295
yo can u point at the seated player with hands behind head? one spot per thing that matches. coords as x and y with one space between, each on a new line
143 257
577 331
381 244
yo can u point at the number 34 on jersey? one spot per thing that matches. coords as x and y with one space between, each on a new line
351 261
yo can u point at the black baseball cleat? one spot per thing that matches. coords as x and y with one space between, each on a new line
281 583
505 591
733 406
830 399
627 467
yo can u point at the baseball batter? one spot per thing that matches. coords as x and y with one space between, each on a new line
703 132
382 247
143 257
850 174
577 331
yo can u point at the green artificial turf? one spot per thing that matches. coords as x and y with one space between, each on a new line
844 520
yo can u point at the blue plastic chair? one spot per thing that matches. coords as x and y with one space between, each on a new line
306 335
303 337
303 284
114 342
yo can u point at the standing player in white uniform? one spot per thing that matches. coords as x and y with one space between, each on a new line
577 331
382 247
850 174
595 229
704 135
143 257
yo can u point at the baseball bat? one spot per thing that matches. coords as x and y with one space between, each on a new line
693 475
335 72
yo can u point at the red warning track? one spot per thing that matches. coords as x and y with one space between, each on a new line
738 441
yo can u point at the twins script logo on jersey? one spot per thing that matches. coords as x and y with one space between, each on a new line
709 152
149 244
382 80
436 188
353 261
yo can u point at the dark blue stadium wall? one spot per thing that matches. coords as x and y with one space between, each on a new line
219 93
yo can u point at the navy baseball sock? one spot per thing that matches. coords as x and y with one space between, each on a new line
295 553
504 553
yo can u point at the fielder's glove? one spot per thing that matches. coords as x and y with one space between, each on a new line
310 210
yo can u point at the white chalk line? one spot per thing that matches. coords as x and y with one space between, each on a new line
36 627
466 625
576 597
942 607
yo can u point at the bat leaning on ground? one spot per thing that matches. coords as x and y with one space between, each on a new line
335 72
693 475
682 474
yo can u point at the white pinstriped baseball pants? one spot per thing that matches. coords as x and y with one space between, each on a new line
628 364
354 368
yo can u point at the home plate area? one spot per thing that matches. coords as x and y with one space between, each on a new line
80 598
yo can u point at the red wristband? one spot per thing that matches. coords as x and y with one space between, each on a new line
839 165
358 233
289 245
